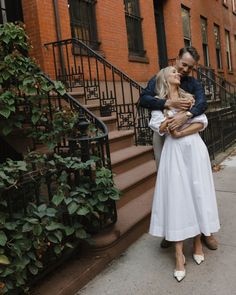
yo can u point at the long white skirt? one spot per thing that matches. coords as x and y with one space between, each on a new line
184 203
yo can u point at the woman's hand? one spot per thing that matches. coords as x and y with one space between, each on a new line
175 133
164 126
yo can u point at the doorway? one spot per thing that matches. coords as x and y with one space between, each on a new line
160 30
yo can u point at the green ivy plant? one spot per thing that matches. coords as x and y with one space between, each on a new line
36 230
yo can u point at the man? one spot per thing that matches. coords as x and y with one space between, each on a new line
186 60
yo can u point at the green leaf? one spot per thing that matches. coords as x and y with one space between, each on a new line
52 239
33 269
57 199
57 249
3 238
35 118
81 234
7 129
83 211
53 226
5 113
102 197
59 235
51 212
37 229
4 260
10 225
72 207
42 208
69 230
27 227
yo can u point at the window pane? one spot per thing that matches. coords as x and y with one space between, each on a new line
228 50
217 46
217 36
204 30
131 7
186 22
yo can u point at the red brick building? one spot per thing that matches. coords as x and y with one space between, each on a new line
137 36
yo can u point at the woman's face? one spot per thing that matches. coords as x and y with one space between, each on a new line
173 77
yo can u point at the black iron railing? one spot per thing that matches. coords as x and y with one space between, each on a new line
86 140
83 70
96 79
215 86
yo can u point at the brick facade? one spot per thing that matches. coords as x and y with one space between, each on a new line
215 13
40 22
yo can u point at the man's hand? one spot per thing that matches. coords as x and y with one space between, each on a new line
178 120
182 104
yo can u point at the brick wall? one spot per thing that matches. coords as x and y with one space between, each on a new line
214 12
40 23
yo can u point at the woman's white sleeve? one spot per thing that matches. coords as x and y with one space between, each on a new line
199 119
156 119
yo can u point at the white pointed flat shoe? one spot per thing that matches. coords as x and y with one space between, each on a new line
179 274
198 258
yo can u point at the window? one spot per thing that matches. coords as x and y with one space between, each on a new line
217 46
228 50
3 15
134 28
83 21
186 25
205 41
10 11
234 5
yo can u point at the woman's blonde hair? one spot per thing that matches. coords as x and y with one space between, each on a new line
162 87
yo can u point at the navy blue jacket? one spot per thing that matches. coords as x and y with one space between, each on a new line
188 83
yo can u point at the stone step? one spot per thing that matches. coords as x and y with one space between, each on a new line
95 108
120 139
135 182
128 158
76 273
110 121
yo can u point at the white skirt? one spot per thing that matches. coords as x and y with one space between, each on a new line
184 203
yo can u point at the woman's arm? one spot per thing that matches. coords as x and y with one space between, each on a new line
191 129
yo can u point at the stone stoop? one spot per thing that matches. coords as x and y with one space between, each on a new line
134 171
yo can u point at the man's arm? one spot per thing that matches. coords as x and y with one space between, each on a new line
200 105
147 98
149 101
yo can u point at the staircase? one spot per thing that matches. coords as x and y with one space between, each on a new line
134 171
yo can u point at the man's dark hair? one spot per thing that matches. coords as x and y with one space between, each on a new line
191 50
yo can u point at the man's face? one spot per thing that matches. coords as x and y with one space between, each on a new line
185 64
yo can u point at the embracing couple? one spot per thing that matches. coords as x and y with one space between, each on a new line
184 204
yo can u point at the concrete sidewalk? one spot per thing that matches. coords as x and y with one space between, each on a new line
145 268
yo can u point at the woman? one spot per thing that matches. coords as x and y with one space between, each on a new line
184 203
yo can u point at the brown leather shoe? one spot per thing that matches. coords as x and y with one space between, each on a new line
165 244
210 242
